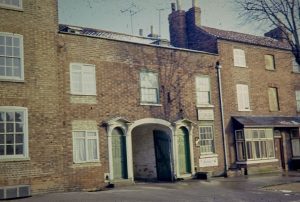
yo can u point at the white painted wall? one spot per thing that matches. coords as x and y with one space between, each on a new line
144 163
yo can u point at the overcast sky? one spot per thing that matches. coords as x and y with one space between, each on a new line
114 15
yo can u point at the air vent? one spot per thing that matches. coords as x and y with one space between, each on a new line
11 192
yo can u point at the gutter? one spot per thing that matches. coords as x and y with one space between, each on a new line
218 67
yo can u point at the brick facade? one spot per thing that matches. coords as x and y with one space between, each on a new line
255 75
53 112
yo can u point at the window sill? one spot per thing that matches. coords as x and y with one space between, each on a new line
86 164
241 66
14 159
249 162
12 80
12 8
296 72
80 94
296 158
245 110
202 156
151 104
205 106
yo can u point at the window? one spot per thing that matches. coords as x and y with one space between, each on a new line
85 146
206 140
295 139
298 100
83 81
256 144
239 58
11 56
269 62
273 99
11 4
243 97
149 87
203 90
296 66
13 132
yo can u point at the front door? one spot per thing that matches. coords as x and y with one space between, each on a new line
163 155
119 154
184 159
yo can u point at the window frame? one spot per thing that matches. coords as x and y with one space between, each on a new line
213 148
273 62
25 154
297 100
198 103
276 97
297 138
83 91
86 138
252 140
11 6
142 100
245 99
21 57
239 58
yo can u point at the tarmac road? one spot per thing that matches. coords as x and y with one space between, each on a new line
271 187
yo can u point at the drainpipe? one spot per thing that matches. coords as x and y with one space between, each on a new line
219 67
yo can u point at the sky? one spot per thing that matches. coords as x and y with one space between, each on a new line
115 15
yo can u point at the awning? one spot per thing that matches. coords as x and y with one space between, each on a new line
268 121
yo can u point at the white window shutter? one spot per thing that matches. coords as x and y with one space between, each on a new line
246 97
239 58
76 81
243 97
89 80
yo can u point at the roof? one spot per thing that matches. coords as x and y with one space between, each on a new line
246 38
108 34
267 121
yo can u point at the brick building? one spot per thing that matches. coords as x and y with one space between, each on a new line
260 88
81 108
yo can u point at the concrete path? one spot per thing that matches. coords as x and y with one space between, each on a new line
271 187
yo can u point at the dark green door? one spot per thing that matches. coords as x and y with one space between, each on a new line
162 154
184 159
119 154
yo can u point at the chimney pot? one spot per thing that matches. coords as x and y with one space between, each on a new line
141 32
179 7
196 3
173 7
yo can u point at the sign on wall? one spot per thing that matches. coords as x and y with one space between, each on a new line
205 114
208 162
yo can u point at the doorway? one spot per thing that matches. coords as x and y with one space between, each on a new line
162 155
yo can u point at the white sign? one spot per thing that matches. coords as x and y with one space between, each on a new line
208 162
205 114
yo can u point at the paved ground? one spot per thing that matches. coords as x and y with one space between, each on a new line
274 187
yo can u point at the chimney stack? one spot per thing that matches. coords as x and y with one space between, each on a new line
278 33
177 26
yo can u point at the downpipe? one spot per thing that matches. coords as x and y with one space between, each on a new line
219 67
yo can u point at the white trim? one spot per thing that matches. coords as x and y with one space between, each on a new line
14 78
25 155
208 155
257 161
